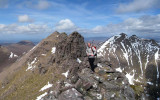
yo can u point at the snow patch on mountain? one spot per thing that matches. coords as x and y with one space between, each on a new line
101 50
157 58
41 96
43 54
33 48
46 87
135 47
130 78
12 55
119 69
125 53
78 60
67 84
99 65
113 95
32 65
65 74
137 80
53 50
99 96
147 61
150 83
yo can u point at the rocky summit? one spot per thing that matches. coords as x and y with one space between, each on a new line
58 69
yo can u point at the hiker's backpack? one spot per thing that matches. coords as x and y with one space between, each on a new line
93 50
94 47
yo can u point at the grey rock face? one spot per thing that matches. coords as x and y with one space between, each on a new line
71 47
70 94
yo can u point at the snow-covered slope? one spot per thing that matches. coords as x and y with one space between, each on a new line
138 58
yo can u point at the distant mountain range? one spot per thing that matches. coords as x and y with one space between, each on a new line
9 53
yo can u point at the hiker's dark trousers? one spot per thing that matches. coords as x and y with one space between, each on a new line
91 62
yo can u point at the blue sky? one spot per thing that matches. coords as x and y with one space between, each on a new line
36 19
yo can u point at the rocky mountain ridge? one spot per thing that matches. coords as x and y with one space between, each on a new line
58 69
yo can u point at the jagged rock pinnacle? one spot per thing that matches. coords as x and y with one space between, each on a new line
72 46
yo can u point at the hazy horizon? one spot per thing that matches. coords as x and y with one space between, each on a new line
102 38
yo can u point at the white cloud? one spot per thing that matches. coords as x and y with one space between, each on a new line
142 25
24 18
137 6
145 25
36 4
24 29
3 3
65 25
42 4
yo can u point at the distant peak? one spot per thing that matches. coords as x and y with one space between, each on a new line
154 42
25 42
55 33
133 36
63 36
123 34
75 34
64 33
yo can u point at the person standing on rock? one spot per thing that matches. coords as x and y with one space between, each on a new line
91 53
